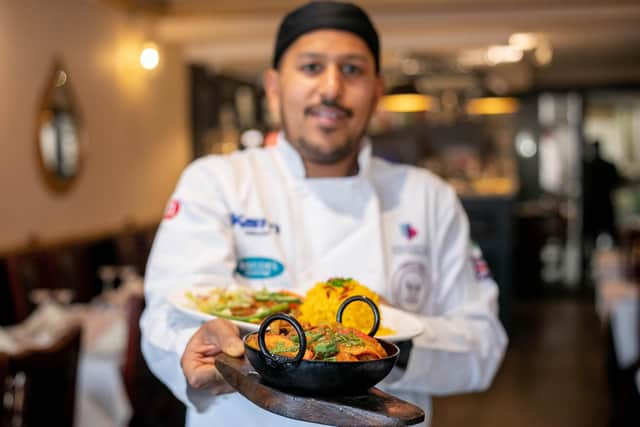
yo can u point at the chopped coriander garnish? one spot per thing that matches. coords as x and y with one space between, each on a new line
338 282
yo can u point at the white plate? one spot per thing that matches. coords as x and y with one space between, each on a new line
405 324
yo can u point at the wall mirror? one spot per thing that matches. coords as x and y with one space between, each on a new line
59 139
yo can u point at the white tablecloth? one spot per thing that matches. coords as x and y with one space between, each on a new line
618 302
101 395
101 398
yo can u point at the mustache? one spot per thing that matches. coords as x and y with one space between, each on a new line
331 104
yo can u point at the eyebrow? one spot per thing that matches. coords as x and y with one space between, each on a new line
343 57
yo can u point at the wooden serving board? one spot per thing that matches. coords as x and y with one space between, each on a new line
375 408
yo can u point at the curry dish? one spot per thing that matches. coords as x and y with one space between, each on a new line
324 343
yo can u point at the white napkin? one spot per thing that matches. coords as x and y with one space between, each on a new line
47 324
7 343
624 326
133 285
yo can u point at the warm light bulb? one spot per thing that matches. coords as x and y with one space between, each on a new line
149 57
492 105
407 103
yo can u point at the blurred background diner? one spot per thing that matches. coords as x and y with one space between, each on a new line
530 109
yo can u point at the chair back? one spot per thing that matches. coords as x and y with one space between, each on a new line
43 383
152 403
65 267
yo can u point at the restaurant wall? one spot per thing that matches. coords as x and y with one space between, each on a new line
135 120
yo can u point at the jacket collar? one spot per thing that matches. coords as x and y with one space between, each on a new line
294 162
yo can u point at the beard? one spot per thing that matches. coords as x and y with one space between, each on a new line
314 152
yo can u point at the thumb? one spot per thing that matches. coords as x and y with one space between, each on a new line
232 345
226 335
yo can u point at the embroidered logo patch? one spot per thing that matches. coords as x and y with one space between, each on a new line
409 285
259 268
172 209
408 231
480 266
258 226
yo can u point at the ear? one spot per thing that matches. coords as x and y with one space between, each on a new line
271 84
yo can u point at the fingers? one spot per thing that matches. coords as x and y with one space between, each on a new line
204 376
199 355
225 335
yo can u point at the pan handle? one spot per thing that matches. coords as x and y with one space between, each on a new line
296 325
372 305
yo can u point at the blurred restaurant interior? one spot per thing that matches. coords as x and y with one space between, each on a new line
530 109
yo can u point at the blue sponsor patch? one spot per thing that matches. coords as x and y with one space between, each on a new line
259 268
257 226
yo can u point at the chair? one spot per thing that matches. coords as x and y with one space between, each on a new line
7 315
132 246
10 414
152 402
12 394
43 383
63 267
72 269
25 272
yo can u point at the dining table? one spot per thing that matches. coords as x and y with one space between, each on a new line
101 397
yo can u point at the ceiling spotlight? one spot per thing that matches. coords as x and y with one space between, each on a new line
524 41
499 54
543 54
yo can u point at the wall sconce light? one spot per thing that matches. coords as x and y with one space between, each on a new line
149 56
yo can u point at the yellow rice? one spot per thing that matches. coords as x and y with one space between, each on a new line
322 301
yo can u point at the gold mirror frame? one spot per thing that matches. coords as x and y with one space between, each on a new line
60 136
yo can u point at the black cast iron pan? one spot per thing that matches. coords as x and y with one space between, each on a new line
319 377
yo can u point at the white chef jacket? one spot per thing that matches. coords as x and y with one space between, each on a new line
254 217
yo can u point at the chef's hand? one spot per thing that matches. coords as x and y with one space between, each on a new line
212 338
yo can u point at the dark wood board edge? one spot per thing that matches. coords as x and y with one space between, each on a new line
373 409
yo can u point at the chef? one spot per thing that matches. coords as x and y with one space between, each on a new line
315 206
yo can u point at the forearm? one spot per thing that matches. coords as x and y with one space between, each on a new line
454 355
165 334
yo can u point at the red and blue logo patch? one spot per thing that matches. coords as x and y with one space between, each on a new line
172 209
408 231
480 266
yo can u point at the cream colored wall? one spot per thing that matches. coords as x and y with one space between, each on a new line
136 120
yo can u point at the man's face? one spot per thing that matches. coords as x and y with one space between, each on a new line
325 91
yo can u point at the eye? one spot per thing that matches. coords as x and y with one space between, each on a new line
311 67
351 69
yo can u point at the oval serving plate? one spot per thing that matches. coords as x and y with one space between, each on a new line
404 324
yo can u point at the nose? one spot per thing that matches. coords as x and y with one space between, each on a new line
332 84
